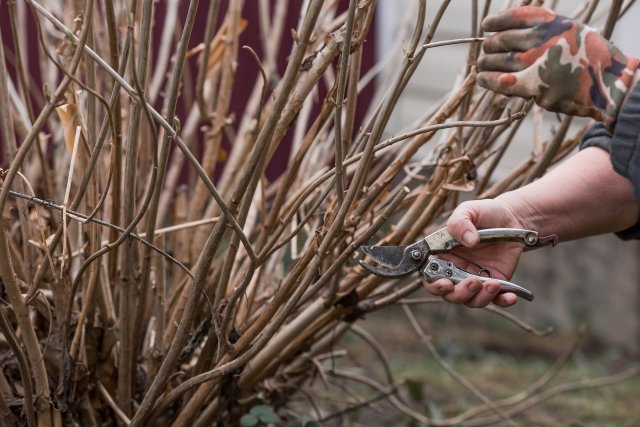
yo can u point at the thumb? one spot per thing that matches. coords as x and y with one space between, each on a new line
462 224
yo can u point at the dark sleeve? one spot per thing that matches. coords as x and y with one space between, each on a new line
597 136
623 146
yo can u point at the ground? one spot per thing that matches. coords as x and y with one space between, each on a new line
495 356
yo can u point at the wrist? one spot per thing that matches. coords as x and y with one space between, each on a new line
520 213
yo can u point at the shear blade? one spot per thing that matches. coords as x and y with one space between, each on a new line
388 256
395 261
380 272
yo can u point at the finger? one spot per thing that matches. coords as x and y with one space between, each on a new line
439 287
517 17
519 40
487 293
513 84
464 291
505 300
504 62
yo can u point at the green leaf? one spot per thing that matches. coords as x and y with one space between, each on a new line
414 387
249 420
269 418
304 421
265 413
435 411
261 409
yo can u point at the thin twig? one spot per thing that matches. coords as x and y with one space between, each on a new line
387 392
453 41
131 303
500 312
23 366
112 403
156 115
377 348
84 218
67 190
342 83
449 369
583 384
534 388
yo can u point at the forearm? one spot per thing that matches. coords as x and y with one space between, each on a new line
583 196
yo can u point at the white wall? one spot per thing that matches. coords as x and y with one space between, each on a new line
627 32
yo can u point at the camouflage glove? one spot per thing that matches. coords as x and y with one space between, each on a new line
567 67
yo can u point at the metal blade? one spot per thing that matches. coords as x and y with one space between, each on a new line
389 256
396 261
380 272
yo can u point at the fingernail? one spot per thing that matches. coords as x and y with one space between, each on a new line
473 287
443 288
468 237
493 289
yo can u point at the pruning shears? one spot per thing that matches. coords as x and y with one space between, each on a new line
399 261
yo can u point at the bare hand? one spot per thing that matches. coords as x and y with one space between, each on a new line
499 258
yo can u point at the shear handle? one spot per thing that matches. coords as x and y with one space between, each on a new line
442 241
442 269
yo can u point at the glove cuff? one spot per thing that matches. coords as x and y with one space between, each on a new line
631 76
628 79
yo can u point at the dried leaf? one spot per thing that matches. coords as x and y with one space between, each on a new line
34 214
462 184
68 114
217 48
222 155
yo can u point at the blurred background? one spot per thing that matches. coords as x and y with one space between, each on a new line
587 292
593 281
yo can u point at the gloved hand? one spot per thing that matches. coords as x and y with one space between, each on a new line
567 67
